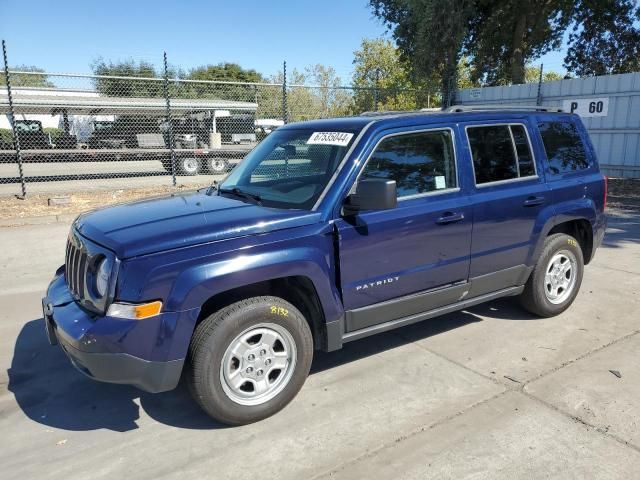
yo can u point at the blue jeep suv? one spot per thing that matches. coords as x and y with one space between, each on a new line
327 232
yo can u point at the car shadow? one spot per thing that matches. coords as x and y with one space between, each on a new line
623 228
51 392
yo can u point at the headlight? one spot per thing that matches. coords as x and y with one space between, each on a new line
102 277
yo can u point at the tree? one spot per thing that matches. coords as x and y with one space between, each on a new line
429 34
118 87
465 76
532 75
499 37
378 65
504 36
27 80
604 38
225 72
333 100
222 72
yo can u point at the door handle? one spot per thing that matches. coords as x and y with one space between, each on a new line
533 201
450 217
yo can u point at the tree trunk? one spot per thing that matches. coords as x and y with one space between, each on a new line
517 50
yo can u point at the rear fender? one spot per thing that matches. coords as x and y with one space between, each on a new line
579 209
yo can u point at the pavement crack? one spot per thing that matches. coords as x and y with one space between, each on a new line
402 438
462 365
615 269
580 357
580 420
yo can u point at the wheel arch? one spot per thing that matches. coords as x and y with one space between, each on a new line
576 218
298 290
580 229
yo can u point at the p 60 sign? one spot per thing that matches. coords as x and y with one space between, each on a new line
587 107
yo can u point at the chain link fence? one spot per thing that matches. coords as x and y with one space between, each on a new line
65 133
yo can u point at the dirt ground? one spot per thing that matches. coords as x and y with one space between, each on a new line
623 193
38 205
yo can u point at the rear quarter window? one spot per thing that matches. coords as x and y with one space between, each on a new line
563 144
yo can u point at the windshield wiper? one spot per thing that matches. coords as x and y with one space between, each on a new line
241 193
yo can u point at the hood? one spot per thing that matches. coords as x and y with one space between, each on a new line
175 221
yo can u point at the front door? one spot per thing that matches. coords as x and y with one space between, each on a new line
415 257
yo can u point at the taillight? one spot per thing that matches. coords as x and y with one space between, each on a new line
606 189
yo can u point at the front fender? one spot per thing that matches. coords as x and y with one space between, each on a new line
195 285
186 278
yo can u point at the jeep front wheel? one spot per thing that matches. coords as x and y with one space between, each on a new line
248 360
556 278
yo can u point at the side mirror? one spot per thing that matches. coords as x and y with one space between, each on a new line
371 194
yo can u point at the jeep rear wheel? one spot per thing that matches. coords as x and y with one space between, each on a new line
248 360
556 278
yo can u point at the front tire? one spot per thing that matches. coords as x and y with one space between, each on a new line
555 281
248 360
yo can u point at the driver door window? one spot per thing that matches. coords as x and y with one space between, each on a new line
420 163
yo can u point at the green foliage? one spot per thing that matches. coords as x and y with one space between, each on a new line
311 94
226 72
6 138
465 75
118 87
532 75
378 63
605 38
223 72
503 36
54 132
429 34
331 100
26 80
499 38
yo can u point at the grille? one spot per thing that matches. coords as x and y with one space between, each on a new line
76 267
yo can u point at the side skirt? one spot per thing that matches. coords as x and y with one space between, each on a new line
335 340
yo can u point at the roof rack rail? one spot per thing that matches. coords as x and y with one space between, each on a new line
376 113
476 108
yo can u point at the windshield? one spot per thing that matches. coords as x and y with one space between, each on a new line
289 169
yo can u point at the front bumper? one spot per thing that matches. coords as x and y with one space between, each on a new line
148 354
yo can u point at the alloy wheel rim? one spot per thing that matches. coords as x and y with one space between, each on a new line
560 277
258 364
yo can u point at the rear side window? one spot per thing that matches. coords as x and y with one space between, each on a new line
419 162
500 152
564 147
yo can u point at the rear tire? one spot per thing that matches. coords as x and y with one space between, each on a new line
555 281
248 360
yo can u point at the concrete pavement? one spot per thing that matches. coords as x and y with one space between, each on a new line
491 392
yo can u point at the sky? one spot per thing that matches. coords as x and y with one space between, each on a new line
67 36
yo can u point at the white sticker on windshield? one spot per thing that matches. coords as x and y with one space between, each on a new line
340 139
440 183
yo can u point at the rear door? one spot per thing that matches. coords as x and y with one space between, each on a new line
509 194
389 258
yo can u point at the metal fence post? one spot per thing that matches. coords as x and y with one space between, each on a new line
375 90
169 121
285 116
539 97
16 136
